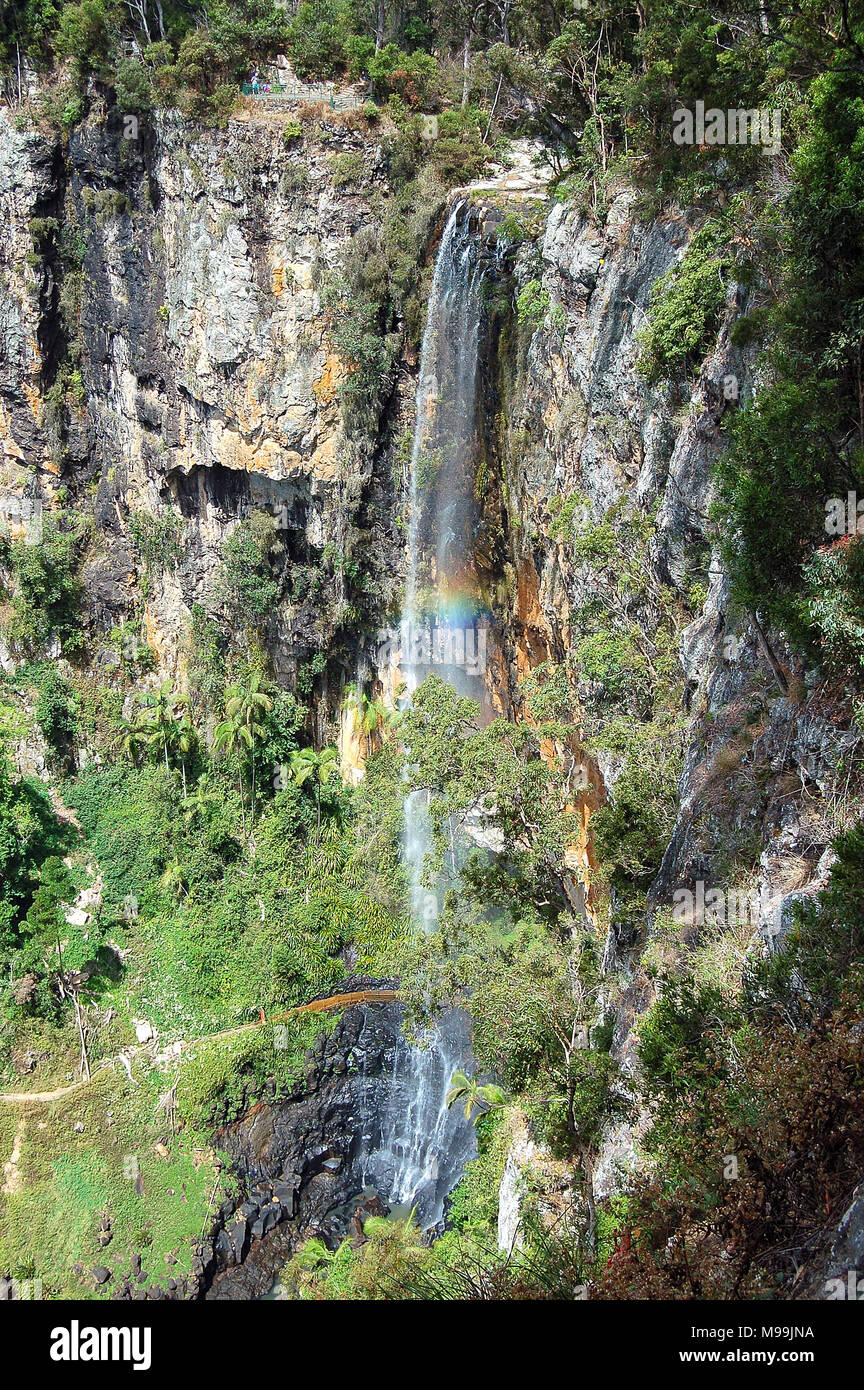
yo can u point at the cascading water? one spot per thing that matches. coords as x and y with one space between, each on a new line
422 1145
438 629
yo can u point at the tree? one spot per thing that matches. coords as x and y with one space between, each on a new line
476 1097
43 925
247 706
134 737
370 715
161 721
306 764
233 735
184 742
201 802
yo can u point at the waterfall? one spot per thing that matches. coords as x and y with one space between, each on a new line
440 525
437 629
422 1145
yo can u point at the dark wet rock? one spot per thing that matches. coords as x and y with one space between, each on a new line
301 1151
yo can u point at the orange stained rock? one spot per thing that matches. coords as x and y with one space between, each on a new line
532 651
324 389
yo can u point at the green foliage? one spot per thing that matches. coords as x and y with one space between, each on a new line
474 1097
374 294
134 87
532 304
590 1101
196 60
631 831
55 709
565 516
218 933
799 441
318 37
47 594
686 304
249 587
834 598
499 768
772 485
612 661
75 1169
675 1040
29 833
226 1072
85 31
347 169
821 963
412 77
207 663
157 537
473 1204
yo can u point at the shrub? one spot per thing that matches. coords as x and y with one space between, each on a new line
413 77
685 306
55 708
47 592
347 169
86 31
834 602
532 304
29 833
132 84
632 829
247 587
157 537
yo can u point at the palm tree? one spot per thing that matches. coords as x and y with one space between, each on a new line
174 879
162 705
233 735
476 1097
306 764
370 714
133 738
247 707
183 739
201 801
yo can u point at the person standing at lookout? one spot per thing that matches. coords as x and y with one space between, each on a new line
255 83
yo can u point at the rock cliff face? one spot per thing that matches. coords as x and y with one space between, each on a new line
761 751
165 346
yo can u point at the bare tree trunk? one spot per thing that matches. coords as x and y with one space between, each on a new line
776 668
505 28
466 69
492 112
763 17
139 7
380 27
85 1064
